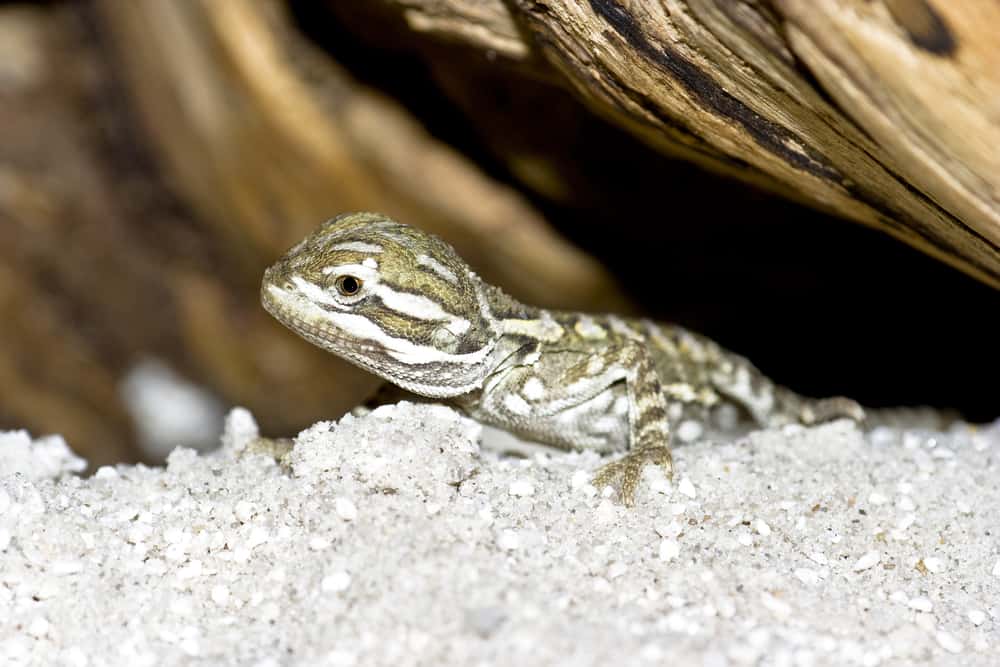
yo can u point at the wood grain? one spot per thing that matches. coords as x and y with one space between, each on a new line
886 113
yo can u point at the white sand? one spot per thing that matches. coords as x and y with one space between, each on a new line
395 541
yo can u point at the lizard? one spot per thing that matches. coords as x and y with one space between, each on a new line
401 304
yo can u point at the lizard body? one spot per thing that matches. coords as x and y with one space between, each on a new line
403 305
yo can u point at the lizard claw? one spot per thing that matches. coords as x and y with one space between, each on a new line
625 473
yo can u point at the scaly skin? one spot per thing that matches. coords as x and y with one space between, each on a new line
403 305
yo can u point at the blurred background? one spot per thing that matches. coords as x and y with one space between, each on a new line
155 157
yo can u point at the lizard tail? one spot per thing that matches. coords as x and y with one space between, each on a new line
815 411
770 404
792 408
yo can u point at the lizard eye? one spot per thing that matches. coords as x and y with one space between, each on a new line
348 285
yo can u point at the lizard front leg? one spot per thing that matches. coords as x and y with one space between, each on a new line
649 427
574 398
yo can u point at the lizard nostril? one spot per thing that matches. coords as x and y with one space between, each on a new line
278 275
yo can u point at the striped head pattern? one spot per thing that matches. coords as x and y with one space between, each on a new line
390 298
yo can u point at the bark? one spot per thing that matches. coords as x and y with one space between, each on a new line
886 113
157 156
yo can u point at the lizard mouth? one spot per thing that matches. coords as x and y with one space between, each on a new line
417 369
325 336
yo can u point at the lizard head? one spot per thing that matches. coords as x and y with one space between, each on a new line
388 297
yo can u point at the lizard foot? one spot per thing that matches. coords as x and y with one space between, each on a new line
828 409
276 448
625 473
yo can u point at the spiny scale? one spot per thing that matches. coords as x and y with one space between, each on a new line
403 305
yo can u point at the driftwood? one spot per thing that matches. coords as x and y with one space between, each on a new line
57 373
302 139
157 155
887 113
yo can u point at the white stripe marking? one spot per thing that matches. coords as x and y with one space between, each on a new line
358 246
682 391
741 389
646 401
311 319
620 327
589 329
543 329
606 424
516 405
420 307
363 271
458 326
595 365
437 267
401 349
309 290
533 389
413 305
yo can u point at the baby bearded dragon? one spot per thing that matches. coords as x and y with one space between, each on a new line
403 305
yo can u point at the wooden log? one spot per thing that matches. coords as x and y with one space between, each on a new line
262 137
886 113
63 304
265 137
157 155
156 158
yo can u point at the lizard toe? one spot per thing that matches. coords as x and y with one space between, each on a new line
625 473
